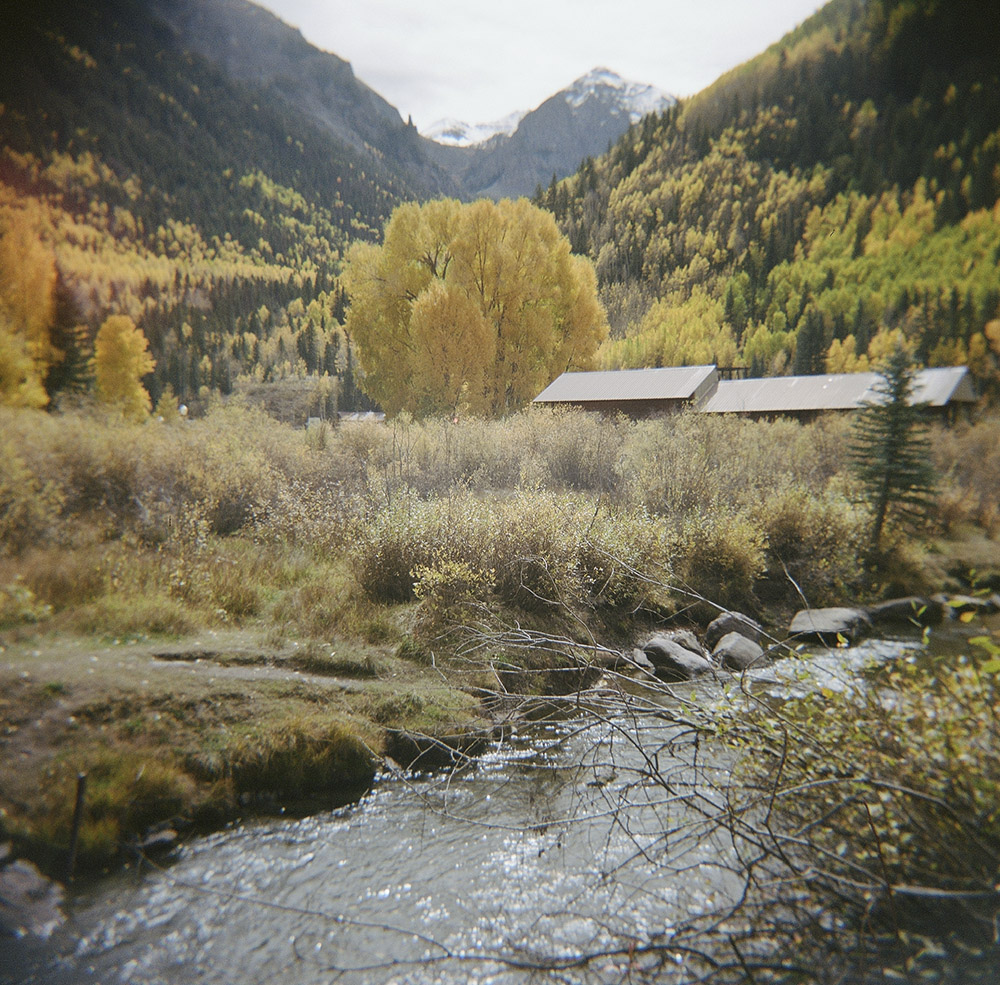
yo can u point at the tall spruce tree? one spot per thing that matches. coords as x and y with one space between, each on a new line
890 451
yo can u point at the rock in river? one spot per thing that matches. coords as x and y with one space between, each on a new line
830 626
674 662
735 652
732 622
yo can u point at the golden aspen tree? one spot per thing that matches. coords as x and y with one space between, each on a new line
121 360
27 309
471 308
453 346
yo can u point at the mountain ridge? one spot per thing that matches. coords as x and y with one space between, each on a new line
832 196
253 45
639 98
577 122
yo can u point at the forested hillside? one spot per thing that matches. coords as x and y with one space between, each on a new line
841 186
136 177
837 189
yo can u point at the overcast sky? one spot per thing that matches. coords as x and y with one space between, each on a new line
478 61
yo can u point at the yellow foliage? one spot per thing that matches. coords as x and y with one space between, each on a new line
453 346
121 359
676 333
20 385
475 306
27 307
841 358
884 343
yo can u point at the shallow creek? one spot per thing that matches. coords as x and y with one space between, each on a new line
557 842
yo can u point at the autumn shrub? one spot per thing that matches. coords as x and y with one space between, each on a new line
533 550
720 556
325 603
814 544
883 819
62 578
967 458
318 515
450 589
487 456
96 458
578 450
694 461
29 503
19 606
626 558
519 549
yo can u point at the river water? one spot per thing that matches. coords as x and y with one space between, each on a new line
584 834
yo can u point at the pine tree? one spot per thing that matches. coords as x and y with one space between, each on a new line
890 451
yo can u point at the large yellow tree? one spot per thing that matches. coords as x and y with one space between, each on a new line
469 308
121 360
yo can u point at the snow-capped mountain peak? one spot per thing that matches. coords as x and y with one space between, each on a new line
634 98
457 133
637 97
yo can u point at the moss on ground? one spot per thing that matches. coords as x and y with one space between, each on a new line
195 733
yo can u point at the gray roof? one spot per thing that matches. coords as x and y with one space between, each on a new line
669 383
945 385
839 391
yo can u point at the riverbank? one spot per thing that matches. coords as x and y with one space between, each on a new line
408 878
189 733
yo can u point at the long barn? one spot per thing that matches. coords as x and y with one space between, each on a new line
641 393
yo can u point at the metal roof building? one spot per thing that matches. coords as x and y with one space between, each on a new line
805 396
635 392
645 392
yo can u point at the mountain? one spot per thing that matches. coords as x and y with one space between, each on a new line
252 45
457 133
833 194
575 123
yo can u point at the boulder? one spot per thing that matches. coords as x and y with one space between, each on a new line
830 626
674 662
29 903
732 622
913 610
735 652
686 639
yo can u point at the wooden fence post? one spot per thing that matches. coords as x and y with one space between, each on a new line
74 835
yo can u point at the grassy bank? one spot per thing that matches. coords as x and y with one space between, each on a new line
215 615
